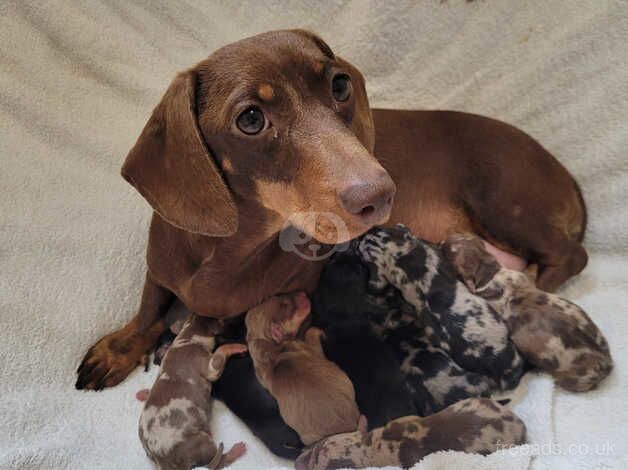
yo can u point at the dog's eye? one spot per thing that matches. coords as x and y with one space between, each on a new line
251 121
341 87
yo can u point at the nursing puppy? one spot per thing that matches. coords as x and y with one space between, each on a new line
463 326
475 425
554 334
433 377
341 310
240 390
315 397
174 425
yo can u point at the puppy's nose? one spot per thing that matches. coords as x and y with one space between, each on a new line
370 200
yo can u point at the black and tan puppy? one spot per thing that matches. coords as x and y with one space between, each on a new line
315 397
552 333
475 425
240 390
341 310
174 425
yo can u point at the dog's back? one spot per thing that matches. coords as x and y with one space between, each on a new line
315 397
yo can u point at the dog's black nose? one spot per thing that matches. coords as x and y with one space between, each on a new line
370 200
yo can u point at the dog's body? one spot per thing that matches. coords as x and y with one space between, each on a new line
174 425
315 397
552 333
341 310
273 126
475 425
454 323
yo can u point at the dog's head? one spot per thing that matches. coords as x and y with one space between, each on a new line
274 124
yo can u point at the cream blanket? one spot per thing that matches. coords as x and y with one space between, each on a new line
77 83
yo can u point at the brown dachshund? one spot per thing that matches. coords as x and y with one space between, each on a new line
315 397
277 128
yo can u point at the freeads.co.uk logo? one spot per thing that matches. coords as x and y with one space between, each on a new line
304 245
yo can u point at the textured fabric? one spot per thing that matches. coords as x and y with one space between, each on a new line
79 80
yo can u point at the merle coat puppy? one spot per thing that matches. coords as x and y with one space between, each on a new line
463 343
341 309
239 389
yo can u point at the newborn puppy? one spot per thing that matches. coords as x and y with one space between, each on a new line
174 426
554 334
435 380
341 309
465 327
240 390
475 425
315 397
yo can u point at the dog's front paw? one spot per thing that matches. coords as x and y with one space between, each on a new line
111 360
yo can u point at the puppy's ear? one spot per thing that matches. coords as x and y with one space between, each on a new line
171 167
470 283
487 268
276 332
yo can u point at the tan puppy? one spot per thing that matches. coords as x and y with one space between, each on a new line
174 426
315 397
475 425
554 334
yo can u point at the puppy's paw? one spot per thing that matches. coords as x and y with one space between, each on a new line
237 451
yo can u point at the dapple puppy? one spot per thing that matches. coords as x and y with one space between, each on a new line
174 426
552 333
315 397
376 341
455 322
475 425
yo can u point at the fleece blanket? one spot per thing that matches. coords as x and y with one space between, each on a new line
78 81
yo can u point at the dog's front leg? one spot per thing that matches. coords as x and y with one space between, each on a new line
114 356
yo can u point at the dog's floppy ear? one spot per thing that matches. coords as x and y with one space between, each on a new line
171 167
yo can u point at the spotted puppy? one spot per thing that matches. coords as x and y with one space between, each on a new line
377 340
552 333
463 342
174 426
474 425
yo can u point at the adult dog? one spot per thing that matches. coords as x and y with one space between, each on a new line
276 127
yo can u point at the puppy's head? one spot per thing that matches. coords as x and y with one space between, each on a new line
276 124
342 289
472 262
279 318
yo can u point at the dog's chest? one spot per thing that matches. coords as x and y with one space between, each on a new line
226 286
